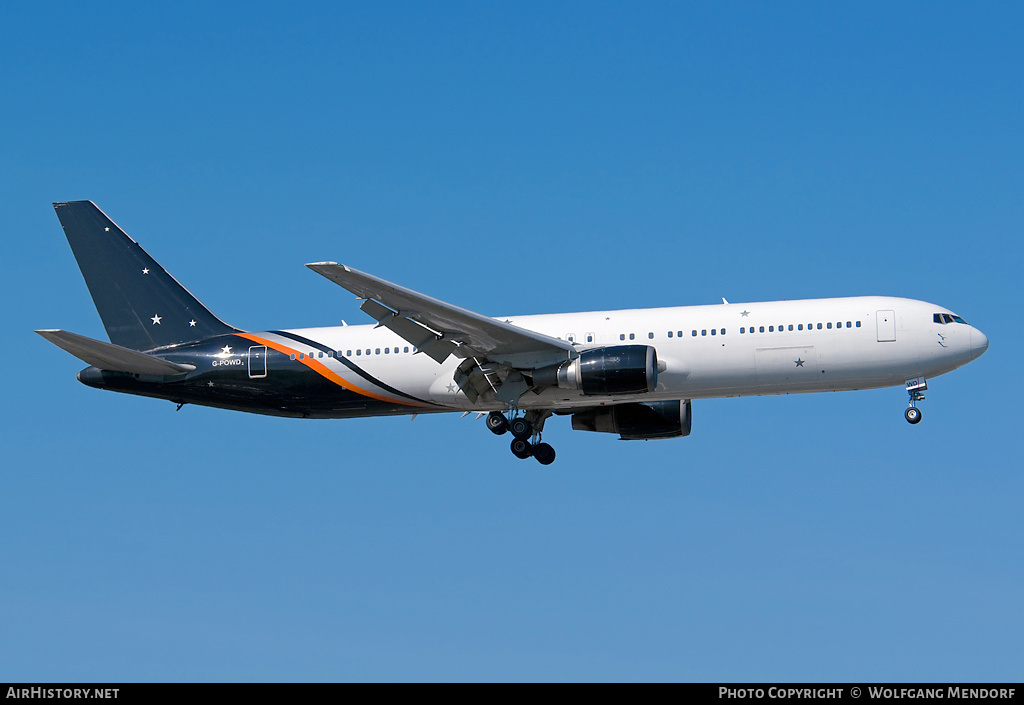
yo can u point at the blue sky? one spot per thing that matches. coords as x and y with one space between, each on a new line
515 158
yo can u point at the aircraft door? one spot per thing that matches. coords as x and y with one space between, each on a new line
257 361
886 321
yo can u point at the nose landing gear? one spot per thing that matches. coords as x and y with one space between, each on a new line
915 388
524 428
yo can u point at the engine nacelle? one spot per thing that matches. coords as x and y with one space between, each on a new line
620 369
639 421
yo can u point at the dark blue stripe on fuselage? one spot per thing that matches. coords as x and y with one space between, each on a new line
348 363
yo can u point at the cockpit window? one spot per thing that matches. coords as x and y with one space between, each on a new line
959 320
945 318
937 318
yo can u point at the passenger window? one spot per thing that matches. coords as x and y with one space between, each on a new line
292 356
858 324
713 331
800 326
829 325
670 334
761 329
694 333
622 336
723 331
791 326
771 329
348 353
650 336
742 330
359 352
632 336
406 348
679 334
590 338
704 332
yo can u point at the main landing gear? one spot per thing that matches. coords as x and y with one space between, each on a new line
915 388
523 428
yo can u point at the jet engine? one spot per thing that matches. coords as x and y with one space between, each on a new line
640 421
620 369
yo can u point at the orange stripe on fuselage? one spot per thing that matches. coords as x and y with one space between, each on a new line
322 369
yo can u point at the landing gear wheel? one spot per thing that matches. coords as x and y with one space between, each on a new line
497 423
521 448
913 414
520 428
544 453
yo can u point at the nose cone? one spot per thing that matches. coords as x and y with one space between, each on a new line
979 343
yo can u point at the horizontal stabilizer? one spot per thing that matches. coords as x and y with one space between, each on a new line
108 356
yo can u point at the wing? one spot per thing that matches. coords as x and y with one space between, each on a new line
494 353
454 330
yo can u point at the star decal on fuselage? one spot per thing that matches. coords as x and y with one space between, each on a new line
145 270
155 319
744 314
799 362
451 388
226 350
192 324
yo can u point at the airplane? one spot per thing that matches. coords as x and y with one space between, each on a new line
631 372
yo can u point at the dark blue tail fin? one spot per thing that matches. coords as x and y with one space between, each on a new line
142 306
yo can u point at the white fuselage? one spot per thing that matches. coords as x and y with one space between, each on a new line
724 350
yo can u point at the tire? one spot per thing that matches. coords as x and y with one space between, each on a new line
544 453
497 423
521 448
520 427
913 414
